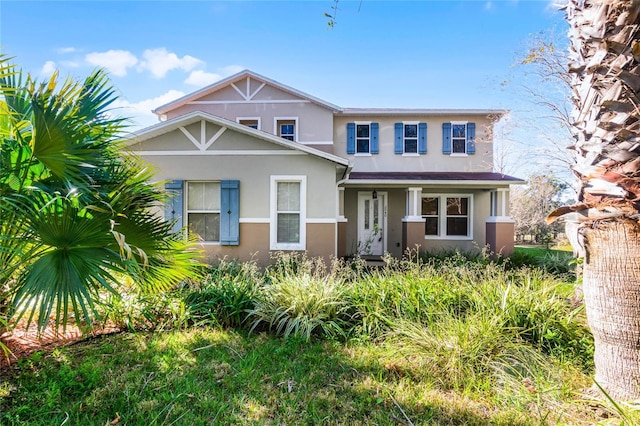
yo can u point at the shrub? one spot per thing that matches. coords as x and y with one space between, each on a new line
226 295
299 298
134 310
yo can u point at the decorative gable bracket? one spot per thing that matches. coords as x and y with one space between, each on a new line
201 142
246 94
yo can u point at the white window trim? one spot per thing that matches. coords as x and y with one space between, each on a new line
362 123
186 211
273 224
295 126
404 145
466 130
238 119
442 216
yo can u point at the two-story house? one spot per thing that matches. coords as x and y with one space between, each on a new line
256 167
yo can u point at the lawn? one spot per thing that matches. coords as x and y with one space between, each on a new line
452 341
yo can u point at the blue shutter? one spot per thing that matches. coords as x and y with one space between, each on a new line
471 138
399 140
230 212
422 138
351 138
446 138
375 146
173 208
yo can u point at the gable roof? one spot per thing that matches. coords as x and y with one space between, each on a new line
196 116
163 109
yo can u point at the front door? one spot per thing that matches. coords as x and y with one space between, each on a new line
372 223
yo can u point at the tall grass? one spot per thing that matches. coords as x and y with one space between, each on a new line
300 298
226 295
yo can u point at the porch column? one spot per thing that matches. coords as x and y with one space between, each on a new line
500 228
341 228
413 222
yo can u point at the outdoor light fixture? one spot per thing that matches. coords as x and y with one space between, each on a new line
374 194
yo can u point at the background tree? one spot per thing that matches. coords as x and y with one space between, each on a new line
536 136
605 69
530 205
75 212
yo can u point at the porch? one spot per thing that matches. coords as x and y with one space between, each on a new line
390 215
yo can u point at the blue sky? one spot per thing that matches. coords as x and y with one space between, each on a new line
429 54
380 53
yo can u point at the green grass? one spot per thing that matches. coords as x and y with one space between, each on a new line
211 376
432 340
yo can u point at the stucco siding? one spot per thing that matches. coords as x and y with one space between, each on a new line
253 172
434 160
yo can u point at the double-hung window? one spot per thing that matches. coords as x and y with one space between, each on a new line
203 210
410 138
447 216
288 221
459 138
286 128
363 138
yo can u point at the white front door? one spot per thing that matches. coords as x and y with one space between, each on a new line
372 223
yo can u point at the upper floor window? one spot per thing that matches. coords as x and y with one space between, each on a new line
203 210
362 138
410 138
252 122
363 141
459 138
286 128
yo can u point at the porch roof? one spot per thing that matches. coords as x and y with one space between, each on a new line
423 178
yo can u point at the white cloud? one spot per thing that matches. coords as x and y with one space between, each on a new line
202 78
488 5
70 64
116 61
160 61
140 112
232 69
48 69
64 50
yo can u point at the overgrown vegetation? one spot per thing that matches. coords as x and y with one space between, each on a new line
440 338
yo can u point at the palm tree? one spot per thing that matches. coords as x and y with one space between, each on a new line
605 54
76 215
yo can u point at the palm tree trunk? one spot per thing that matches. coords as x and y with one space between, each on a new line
605 68
612 295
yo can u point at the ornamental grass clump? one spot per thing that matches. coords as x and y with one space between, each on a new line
226 295
299 298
